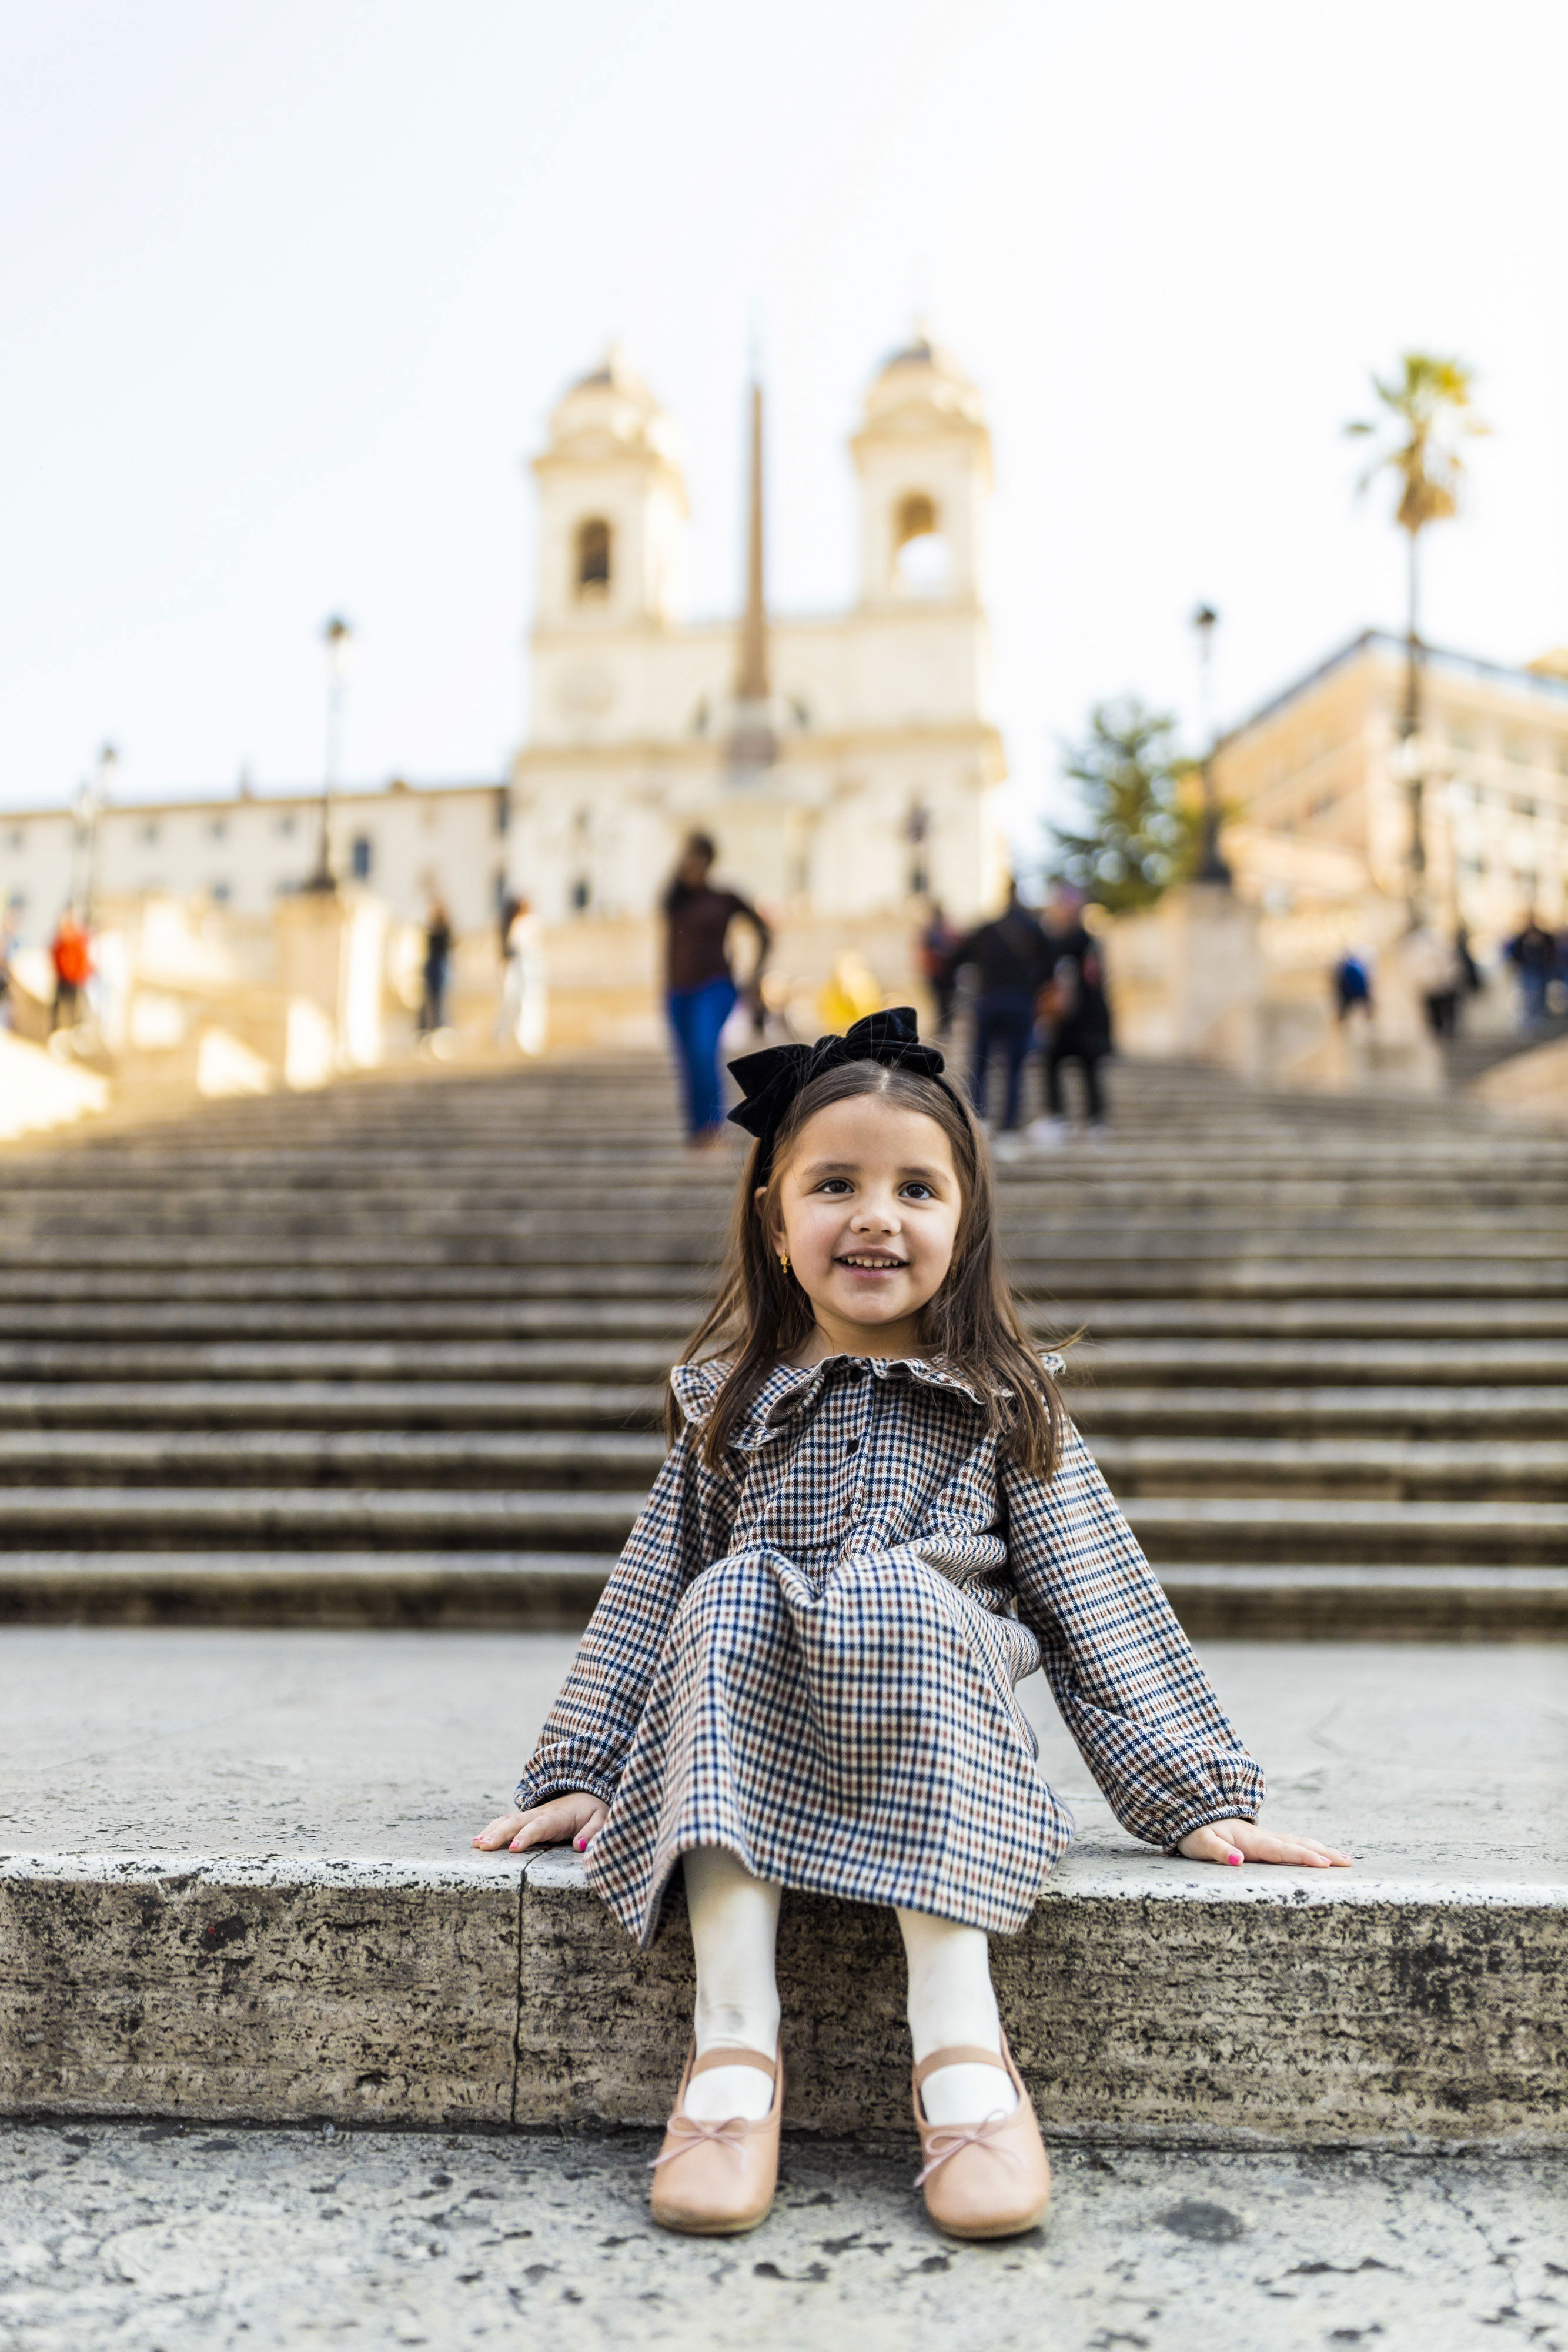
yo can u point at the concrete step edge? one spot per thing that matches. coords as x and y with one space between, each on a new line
1143 1993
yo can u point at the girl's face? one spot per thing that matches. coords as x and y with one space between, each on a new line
868 1208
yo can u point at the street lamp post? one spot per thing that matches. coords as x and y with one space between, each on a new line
1211 866
339 639
90 807
1412 762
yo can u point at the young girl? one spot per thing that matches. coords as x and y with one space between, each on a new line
875 1518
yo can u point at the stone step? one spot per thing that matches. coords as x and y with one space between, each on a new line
1225 1222
1354 1531
671 1320
1104 1264
265 1834
384 1459
534 1591
530 1158
325 1404
1464 1286
1234 1190
1392 1468
1444 1413
1150 1362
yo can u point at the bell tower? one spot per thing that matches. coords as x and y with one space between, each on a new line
924 456
613 508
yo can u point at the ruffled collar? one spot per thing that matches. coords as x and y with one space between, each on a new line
790 1389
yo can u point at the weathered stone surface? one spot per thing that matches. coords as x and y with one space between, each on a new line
1142 1997
257 1992
175 2240
535 1593
511 1591
205 1777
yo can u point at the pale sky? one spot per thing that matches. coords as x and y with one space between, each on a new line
290 286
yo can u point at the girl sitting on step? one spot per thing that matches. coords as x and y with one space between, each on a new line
874 1519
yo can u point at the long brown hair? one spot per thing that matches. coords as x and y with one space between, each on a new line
971 1325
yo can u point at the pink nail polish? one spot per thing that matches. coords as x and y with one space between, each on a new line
1233 1855
580 1842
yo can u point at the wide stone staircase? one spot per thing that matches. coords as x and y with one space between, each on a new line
393 1353
322 1418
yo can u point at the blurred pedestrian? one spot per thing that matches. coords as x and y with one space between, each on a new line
1008 956
70 953
522 1017
934 948
1532 952
1351 981
1438 975
1472 980
7 994
1076 1018
436 969
700 993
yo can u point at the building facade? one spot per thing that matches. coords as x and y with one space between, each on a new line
1317 789
847 766
240 852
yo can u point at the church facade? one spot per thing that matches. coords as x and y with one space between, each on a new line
846 767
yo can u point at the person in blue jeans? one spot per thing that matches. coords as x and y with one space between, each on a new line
1011 960
700 993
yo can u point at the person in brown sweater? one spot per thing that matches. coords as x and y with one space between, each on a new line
700 993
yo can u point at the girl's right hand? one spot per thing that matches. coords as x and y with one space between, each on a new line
575 1819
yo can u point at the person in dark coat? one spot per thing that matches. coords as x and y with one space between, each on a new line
935 950
437 966
1075 1016
1532 952
1009 957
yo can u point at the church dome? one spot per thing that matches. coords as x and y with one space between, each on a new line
922 385
609 411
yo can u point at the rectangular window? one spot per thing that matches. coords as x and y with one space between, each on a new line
286 827
222 894
149 834
362 856
218 827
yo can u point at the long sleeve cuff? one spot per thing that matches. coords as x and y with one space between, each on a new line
1207 1819
542 1782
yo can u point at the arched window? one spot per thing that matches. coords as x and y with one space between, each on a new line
592 560
922 559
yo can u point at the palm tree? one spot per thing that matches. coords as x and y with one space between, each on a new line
1428 405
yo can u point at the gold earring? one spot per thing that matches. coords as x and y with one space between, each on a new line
784 1260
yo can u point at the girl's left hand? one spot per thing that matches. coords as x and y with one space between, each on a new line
1239 1841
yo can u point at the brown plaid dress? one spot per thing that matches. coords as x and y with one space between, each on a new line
809 1656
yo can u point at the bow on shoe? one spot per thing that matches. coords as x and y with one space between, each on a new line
693 2133
771 1080
948 2138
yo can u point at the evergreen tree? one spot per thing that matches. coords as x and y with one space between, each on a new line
1143 823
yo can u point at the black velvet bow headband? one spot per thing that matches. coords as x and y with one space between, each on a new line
771 1080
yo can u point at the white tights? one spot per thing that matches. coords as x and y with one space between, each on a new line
735 1922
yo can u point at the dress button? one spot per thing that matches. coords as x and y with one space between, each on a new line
853 1445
